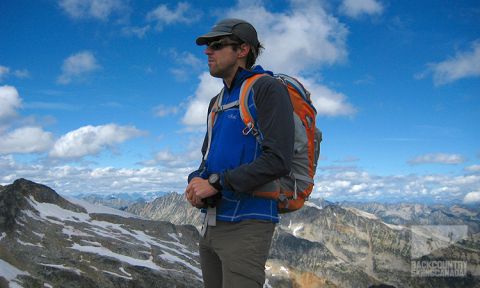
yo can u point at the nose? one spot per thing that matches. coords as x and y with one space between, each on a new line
208 51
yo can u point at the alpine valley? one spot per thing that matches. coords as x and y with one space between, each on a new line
50 241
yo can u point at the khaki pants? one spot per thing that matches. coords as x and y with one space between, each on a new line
234 254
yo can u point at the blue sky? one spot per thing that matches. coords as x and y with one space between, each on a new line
110 95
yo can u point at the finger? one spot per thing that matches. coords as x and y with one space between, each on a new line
190 196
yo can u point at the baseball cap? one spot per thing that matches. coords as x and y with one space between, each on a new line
240 28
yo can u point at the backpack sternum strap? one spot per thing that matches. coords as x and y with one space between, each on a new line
228 106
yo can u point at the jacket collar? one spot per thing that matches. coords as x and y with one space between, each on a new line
243 74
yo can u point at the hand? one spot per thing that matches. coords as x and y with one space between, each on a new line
201 188
192 198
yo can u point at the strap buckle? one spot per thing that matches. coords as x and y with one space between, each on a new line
249 128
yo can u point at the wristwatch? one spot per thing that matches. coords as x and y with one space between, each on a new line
215 181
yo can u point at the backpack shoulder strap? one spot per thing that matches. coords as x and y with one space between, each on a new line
245 113
211 120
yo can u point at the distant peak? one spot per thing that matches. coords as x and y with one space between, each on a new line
41 193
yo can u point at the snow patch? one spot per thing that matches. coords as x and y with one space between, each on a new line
311 204
99 209
3 236
395 227
171 258
284 270
122 258
32 215
29 244
117 275
266 284
94 243
48 210
174 236
71 231
94 268
362 213
10 273
125 272
41 235
63 267
19 223
297 229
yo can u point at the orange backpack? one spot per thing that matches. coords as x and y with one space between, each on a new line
293 190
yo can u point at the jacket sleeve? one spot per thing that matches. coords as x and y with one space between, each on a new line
275 121
201 168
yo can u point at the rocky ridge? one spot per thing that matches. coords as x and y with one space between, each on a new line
49 241
172 208
421 214
120 200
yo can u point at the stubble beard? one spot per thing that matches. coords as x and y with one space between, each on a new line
224 72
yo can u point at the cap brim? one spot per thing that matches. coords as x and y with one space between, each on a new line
204 39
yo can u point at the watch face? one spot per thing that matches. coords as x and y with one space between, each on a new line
213 178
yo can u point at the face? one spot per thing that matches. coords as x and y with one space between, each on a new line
223 60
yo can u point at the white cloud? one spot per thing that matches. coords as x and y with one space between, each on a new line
473 168
180 74
438 158
78 66
186 58
186 64
76 179
10 101
136 31
26 140
197 107
183 14
336 184
302 39
24 73
96 9
6 71
163 110
326 101
352 184
90 140
3 72
166 158
464 64
472 197
356 8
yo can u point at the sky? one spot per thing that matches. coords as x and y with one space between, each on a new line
108 96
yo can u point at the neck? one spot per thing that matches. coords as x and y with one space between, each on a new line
229 78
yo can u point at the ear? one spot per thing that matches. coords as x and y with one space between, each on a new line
244 49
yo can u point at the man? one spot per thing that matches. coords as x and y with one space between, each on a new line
238 226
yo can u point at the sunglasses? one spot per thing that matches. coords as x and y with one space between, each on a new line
220 44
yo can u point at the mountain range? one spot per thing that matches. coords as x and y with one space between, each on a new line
340 245
119 200
47 240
